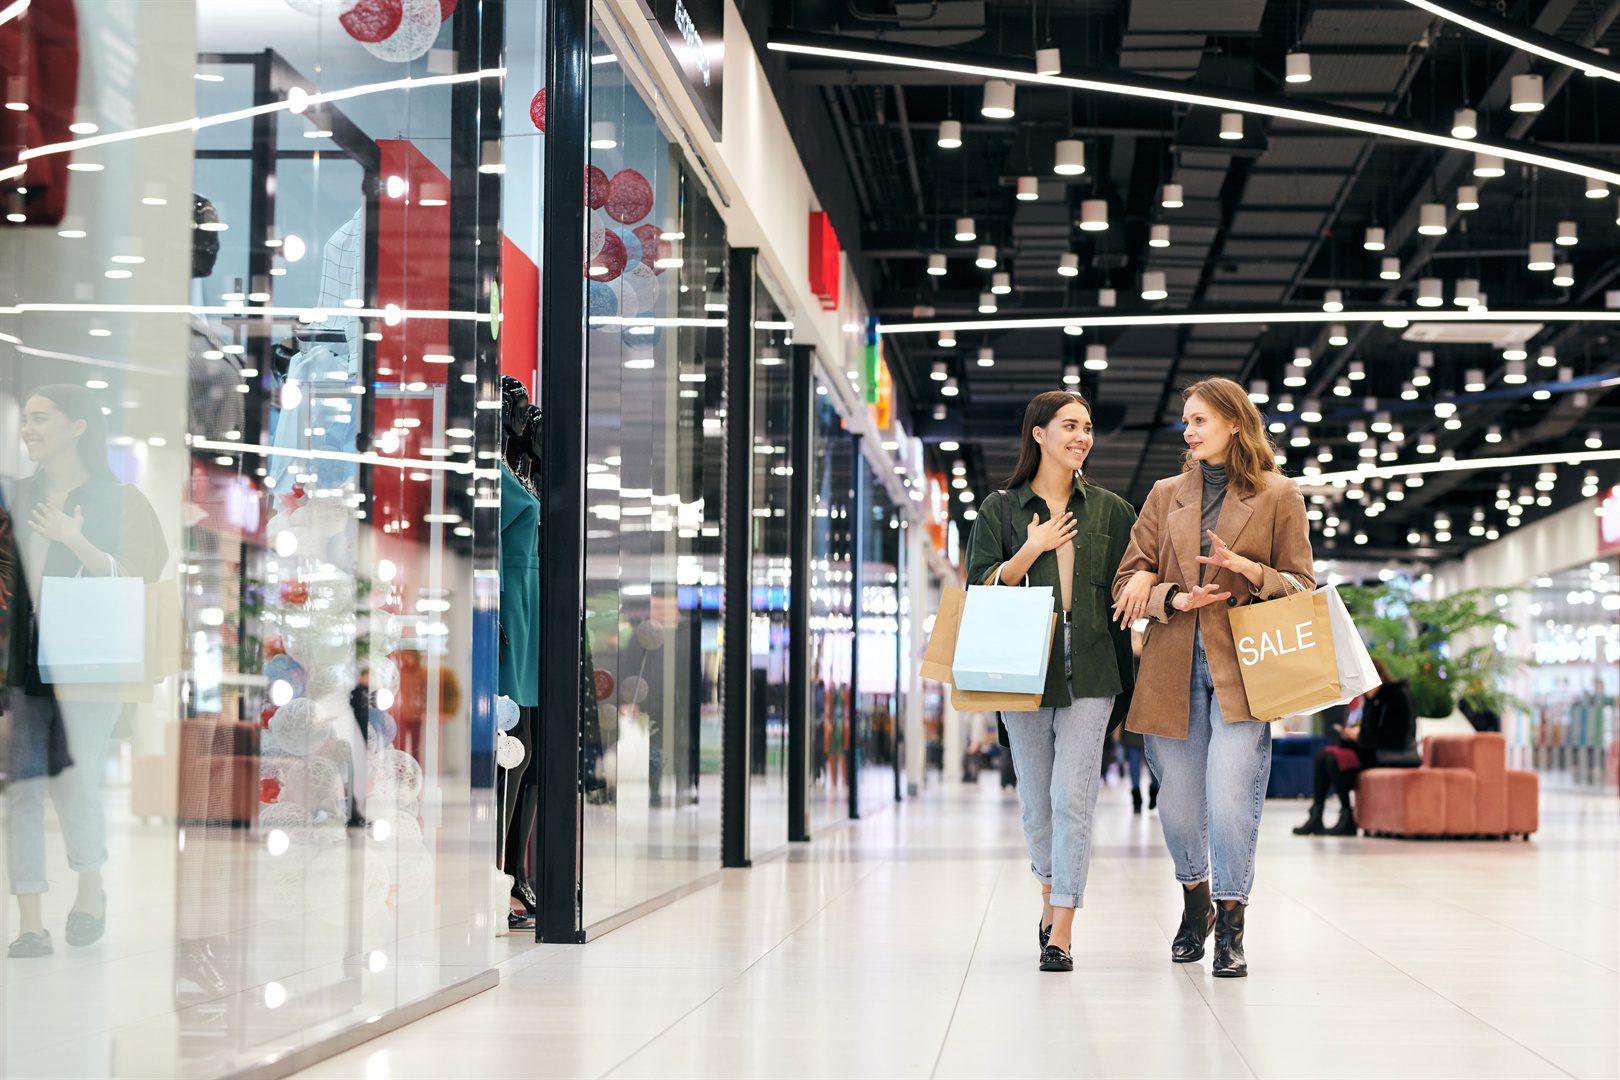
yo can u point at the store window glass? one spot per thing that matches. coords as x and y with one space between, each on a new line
655 415
878 711
769 636
831 625
242 464
1571 687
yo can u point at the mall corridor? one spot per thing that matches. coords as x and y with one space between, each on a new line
899 946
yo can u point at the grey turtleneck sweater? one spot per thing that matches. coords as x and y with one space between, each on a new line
1214 498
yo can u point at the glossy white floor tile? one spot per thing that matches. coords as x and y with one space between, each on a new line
905 946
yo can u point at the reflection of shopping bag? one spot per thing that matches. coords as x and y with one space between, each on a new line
92 630
1298 654
1005 640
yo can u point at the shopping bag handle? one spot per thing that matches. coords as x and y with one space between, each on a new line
1292 580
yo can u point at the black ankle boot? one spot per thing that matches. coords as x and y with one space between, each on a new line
1345 826
1197 919
1229 960
1153 795
1136 800
1313 824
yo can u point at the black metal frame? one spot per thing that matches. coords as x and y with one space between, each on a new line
736 663
801 450
562 398
857 560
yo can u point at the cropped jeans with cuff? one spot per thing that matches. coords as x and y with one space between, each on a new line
1213 787
76 790
1058 756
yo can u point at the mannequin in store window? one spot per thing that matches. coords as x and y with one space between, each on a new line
214 402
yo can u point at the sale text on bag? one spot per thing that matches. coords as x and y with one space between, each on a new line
1275 643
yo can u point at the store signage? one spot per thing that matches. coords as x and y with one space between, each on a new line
826 267
1608 511
694 33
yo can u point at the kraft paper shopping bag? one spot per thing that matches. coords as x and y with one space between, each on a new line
1286 653
936 664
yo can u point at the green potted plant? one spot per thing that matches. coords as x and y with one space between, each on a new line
1424 642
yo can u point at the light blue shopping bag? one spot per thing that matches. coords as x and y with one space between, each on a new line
1005 640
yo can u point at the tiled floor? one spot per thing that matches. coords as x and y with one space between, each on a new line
902 946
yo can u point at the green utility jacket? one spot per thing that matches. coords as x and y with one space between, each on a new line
1102 661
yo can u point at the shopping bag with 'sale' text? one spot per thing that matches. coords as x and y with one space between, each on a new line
1287 655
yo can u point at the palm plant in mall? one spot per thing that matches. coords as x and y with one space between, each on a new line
1436 645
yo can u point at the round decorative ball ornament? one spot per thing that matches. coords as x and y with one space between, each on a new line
630 197
371 21
537 110
417 31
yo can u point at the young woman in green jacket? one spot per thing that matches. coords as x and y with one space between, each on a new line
1050 527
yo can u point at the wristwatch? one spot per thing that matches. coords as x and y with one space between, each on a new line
1170 599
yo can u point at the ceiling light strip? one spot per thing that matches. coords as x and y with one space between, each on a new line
833 48
1227 318
1355 476
1597 65
311 314
374 460
197 123
13 10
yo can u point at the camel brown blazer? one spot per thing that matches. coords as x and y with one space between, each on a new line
1268 527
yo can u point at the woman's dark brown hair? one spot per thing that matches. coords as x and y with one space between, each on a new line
1038 413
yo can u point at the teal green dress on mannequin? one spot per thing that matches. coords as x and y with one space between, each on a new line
520 592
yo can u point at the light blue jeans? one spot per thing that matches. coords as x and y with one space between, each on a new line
1213 789
1058 756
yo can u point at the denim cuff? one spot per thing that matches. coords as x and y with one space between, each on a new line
1064 900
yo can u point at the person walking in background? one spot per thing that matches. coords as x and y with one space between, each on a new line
70 518
1223 532
1131 742
1050 527
1384 735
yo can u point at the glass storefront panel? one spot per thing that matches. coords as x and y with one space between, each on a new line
877 729
242 796
655 413
831 584
769 636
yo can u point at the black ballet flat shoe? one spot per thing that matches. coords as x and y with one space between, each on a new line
1197 920
1055 959
1230 962
1046 935
30 944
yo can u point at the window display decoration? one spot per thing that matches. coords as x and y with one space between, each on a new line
393 30
537 110
630 197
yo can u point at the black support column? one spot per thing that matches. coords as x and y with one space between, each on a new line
801 450
736 663
562 394
857 557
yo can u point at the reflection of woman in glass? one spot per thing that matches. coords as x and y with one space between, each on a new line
1052 528
71 518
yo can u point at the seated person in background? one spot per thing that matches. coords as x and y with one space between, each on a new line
1384 734
1482 716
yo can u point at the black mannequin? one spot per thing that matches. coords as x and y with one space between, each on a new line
214 404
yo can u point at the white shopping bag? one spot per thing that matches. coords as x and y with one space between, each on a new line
1356 672
92 630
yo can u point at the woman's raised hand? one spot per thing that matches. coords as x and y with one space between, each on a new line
1053 534
1203 596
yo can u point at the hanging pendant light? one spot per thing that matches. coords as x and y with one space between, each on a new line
1564 276
1467 197
1547 357
1541 256
1488 166
939 372
1467 294
1259 391
1074 331
998 100
1338 335
1071 374
987 358
1159 236
1001 283
1515 373
1096 358
1069 264
1527 94
1596 189
936 265
987 257
1432 219
1094 215
1474 381
1107 298
1231 126
1172 197
950 134
1567 236
1048 61
1374 239
1070 157
1294 376
1029 189
965 232
1153 285
1464 124
1333 300
1297 68
1302 357
1431 292
987 303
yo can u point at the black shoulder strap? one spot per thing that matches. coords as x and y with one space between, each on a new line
1009 542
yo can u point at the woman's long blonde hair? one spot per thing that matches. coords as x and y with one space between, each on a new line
1252 453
